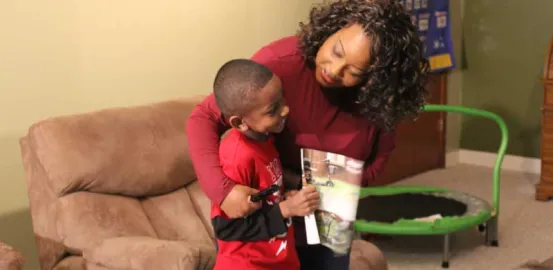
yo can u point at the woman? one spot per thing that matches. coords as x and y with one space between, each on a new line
349 76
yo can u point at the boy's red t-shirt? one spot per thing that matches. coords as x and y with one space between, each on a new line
255 164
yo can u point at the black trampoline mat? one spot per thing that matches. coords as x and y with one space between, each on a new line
390 208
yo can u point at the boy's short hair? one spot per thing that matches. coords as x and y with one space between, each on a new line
236 85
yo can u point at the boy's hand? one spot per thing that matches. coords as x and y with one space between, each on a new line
301 203
290 193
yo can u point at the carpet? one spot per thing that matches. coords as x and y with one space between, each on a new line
525 226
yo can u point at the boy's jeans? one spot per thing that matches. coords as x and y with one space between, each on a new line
316 257
319 257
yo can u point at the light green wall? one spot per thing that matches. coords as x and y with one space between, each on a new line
57 52
63 57
455 77
505 43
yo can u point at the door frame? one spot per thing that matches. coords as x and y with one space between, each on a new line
442 77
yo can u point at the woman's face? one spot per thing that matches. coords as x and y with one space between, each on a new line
343 58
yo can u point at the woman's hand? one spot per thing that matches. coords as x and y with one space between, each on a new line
237 203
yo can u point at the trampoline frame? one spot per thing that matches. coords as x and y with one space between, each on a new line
447 225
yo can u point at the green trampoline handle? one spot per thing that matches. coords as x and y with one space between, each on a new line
502 146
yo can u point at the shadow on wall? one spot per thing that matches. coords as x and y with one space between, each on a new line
485 135
16 231
488 136
464 64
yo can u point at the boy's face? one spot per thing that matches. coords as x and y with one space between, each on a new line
269 112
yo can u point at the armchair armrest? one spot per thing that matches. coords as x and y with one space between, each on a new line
10 259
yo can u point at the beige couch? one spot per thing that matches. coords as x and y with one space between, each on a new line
115 189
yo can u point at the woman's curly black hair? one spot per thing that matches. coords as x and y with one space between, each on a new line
395 81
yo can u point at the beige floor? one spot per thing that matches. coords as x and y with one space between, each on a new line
525 225
525 233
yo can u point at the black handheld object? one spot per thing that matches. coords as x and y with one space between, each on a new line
264 193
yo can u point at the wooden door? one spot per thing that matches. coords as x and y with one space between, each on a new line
420 144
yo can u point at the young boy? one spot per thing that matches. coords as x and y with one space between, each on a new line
250 98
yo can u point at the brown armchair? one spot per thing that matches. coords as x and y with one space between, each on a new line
115 189
10 259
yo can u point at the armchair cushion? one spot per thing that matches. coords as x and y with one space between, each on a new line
138 151
202 205
71 263
85 219
144 253
174 217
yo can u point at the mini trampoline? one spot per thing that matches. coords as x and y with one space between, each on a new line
420 210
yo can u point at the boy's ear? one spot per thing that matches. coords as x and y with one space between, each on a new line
238 123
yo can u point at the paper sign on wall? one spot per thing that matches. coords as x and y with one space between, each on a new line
433 22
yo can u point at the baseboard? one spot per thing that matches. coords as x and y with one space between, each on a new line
479 158
452 158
